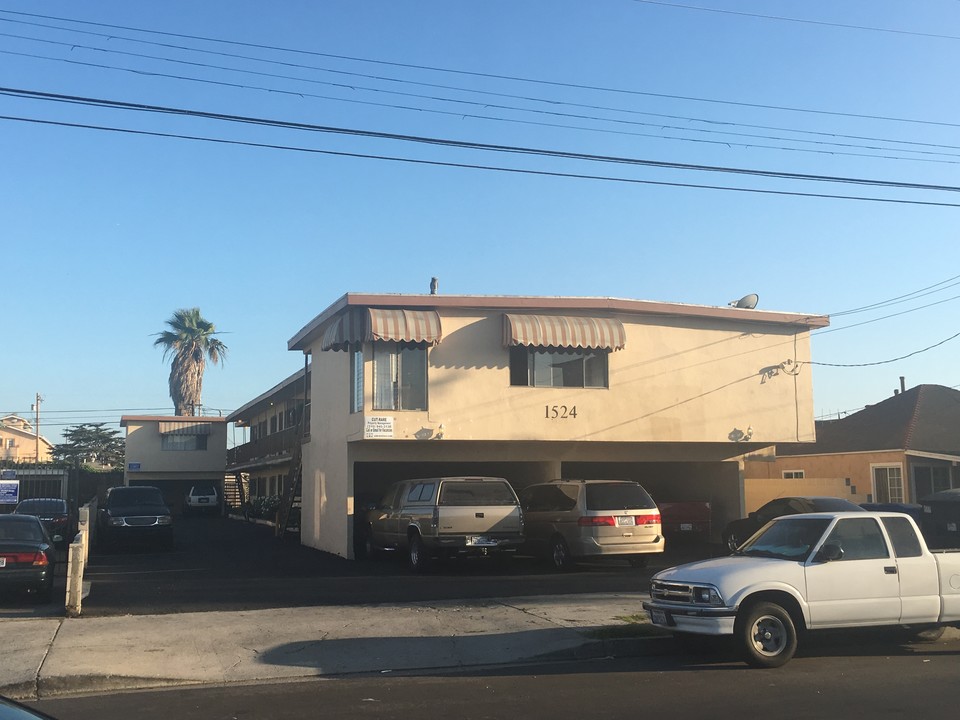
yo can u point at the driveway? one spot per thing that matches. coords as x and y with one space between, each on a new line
227 564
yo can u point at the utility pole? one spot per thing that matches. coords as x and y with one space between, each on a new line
36 427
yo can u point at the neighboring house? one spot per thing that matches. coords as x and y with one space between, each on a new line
175 452
19 443
899 450
533 388
261 464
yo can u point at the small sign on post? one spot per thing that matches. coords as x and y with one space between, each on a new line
9 488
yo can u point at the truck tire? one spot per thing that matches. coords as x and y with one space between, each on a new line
765 635
417 554
559 555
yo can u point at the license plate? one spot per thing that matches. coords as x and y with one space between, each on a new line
686 526
623 520
3 562
480 541
658 617
203 500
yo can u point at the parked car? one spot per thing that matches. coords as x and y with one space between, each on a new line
568 520
738 531
56 515
202 498
27 556
803 573
132 514
446 517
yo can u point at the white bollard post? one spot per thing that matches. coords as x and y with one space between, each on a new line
75 563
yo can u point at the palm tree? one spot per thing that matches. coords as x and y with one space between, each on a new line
190 340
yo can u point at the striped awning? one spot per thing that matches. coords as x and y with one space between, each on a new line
184 427
563 331
373 324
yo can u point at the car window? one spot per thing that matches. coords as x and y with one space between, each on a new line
135 496
903 536
41 506
29 531
618 496
773 509
476 493
203 490
549 498
421 492
859 538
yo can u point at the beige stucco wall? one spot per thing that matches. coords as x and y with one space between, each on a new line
24 446
847 475
143 447
679 385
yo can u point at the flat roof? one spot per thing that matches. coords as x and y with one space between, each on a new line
309 332
170 418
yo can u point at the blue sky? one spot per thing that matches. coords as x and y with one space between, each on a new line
105 234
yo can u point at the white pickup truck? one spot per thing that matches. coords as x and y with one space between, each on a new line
810 572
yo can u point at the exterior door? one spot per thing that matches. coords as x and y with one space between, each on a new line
863 586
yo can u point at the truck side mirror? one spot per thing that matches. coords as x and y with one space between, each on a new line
829 553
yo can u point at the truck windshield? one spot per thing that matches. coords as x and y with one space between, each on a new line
786 538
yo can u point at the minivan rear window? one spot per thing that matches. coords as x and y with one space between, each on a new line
618 496
476 493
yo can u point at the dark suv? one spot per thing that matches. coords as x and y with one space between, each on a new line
131 514
738 531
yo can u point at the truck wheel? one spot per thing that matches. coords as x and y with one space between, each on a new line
560 555
765 635
419 560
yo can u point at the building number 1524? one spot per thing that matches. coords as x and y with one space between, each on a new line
560 412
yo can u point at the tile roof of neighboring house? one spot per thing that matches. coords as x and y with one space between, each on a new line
925 418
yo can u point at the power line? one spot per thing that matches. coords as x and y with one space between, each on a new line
470 166
922 292
432 68
885 362
781 18
618 121
461 144
885 317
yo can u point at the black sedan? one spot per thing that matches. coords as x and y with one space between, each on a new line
27 556
737 532
56 516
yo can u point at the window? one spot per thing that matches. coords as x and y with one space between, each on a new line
356 380
887 484
903 537
558 367
421 492
11 443
183 442
859 538
273 424
399 376
793 475
929 479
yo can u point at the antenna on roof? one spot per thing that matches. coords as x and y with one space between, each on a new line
747 302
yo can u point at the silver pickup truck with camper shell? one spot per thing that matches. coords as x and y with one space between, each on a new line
446 517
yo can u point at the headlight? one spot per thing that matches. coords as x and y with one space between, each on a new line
707 595
164 520
115 521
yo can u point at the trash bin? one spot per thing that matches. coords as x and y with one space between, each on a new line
941 519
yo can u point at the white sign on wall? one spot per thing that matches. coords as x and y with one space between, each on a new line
378 427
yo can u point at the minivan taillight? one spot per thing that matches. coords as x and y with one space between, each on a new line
596 520
648 519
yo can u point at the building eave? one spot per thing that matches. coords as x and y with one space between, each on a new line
308 334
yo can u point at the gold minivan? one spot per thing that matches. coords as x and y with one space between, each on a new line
566 520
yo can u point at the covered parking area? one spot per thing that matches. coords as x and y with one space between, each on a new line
669 472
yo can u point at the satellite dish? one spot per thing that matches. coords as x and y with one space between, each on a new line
747 302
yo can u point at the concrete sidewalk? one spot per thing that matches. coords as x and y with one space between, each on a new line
43 657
